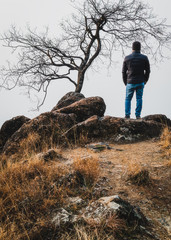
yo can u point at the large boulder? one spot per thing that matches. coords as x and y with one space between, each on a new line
45 129
72 118
115 129
85 108
68 99
50 126
10 127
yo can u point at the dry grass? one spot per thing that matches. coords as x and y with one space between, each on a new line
137 174
87 170
80 139
34 144
84 233
165 142
141 177
83 139
111 224
166 138
108 229
30 145
133 166
27 192
30 188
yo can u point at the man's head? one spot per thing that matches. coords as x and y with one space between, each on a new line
136 46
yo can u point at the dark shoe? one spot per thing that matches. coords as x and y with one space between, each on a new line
127 117
138 117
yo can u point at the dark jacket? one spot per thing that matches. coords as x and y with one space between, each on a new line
136 68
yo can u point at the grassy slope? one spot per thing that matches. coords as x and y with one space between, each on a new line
30 188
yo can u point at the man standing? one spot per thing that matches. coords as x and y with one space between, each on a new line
135 72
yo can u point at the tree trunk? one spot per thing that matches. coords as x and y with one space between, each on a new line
80 81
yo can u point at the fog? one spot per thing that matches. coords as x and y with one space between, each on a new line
103 82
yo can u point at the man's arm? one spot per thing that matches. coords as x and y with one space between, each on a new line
147 70
124 72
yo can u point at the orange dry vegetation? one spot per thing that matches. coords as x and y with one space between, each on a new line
153 160
87 167
25 196
30 188
166 143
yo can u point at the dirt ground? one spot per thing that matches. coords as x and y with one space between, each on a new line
117 163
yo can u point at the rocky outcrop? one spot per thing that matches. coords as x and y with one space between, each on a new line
68 99
10 127
75 116
102 211
160 118
47 129
52 124
85 108
115 129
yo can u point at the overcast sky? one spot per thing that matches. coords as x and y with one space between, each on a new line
107 84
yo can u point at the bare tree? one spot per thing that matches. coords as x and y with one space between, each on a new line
98 28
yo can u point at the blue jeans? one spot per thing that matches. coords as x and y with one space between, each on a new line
130 89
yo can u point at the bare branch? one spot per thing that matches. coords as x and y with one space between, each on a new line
98 28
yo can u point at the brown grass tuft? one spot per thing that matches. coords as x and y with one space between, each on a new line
93 232
110 224
141 177
87 169
165 143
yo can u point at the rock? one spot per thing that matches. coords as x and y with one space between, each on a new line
10 127
98 147
75 201
135 130
85 108
74 118
46 128
100 211
62 217
158 118
114 205
51 154
114 129
69 181
166 222
68 99
101 187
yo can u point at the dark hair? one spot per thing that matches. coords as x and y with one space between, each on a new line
136 46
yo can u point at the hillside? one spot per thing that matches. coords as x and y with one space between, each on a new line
29 198
73 173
